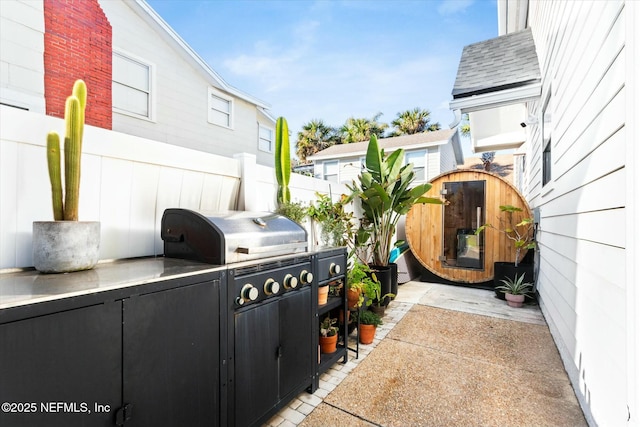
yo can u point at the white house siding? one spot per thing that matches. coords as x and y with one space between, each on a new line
582 236
447 159
180 94
21 54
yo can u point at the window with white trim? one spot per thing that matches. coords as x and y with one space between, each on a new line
265 139
330 171
132 86
220 109
419 162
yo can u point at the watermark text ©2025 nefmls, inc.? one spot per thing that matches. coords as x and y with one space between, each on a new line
54 407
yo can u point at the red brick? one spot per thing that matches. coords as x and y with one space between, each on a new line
78 45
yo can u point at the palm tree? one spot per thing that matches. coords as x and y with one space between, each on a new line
413 121
315 136
358 130
465 128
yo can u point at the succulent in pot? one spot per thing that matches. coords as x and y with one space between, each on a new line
66 244
328 335
515 290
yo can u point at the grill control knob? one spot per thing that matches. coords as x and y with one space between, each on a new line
271 287
290 282
306 277
334 268
249 293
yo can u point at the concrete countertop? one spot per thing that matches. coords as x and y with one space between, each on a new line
31 287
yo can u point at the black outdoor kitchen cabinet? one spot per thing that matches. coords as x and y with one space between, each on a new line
146 354
273 356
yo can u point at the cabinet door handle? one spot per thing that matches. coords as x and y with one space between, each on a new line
124 414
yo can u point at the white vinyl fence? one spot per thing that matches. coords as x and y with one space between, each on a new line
127 183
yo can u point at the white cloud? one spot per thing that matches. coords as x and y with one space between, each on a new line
451 7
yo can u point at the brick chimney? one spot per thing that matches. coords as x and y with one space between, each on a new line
78 45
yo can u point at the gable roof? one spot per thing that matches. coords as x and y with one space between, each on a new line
407 142
500 63
150 16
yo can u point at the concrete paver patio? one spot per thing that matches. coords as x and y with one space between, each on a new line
446 356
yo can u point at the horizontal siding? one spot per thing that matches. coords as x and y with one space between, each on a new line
582 237
181 97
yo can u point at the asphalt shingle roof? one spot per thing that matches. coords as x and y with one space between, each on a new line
503 62
388 144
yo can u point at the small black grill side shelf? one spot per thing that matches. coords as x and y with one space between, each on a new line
331 266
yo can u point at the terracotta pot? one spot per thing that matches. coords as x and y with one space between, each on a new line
514 300
341 316
328 344
367 333
323 294
353 296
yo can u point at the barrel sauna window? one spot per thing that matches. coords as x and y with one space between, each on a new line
463 214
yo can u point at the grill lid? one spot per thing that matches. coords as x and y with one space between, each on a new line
228 237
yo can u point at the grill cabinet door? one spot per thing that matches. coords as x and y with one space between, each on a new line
296 364
171 357
256 362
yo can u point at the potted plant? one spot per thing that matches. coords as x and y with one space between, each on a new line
515 290
369 321
379 302
360 282
295 211
522 234
336 227
323 294
385 194
328 335
66 244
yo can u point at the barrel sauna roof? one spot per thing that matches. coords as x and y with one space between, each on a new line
425 223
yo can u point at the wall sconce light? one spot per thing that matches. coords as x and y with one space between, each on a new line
531 120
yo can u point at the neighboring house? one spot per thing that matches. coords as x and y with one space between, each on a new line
561 84
430 152
144 79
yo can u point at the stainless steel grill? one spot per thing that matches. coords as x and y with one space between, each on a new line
229 237
269 304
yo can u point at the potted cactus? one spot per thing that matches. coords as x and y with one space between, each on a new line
66 244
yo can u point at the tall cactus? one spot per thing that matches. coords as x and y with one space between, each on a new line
283 160
74 118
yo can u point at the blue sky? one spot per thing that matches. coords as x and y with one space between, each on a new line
333 59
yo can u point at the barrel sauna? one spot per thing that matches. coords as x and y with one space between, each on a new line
442 237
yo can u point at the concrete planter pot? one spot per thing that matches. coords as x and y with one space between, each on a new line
65 246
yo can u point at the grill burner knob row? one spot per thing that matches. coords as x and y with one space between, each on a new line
306 277
248 293
290 282
271 287
334 268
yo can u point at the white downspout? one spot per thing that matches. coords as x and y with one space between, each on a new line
632 168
